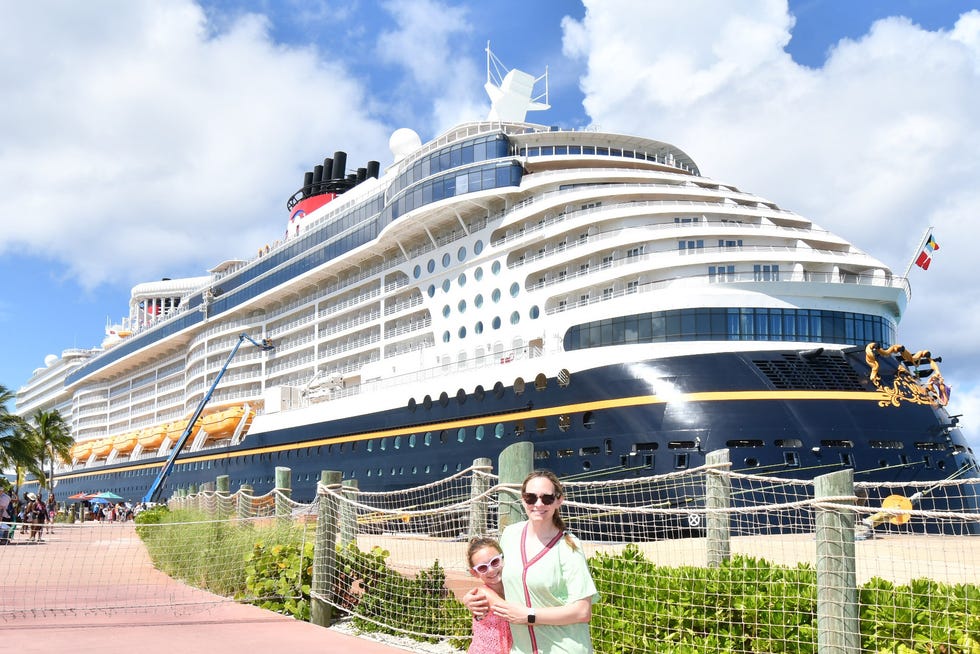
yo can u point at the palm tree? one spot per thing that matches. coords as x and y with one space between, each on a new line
17 449
52 440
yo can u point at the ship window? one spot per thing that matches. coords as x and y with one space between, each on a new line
564 422
498 431
743 442
495 268
788 442
460 396
427 439
498 390
534 312
479 392
478 327
398 442
461 254
480 431
496 322
412 404
920 445
431 266
564 454
837 443
588 451
445 311
446 260
751 462
540 382
519 386
445 285
432 290
445 339
461 435
680 445
887 445
588 419
680 461
461 307
384 444
564 378
519 428
370 445
461 280
515 289
495 296
790 459
411 440
443 437
847 459
478 300
417 272
515 318
541 425
478 273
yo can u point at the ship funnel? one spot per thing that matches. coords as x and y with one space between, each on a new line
307 184
317 178
327 172
373 168
339 165
361 175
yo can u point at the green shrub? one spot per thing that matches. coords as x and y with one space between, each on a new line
278 577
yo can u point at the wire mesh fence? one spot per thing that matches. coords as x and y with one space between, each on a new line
704 559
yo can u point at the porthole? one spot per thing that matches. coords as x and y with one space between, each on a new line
445 467
412 405
498 390
445 337
417 271
515 289
540 382
462 332
478 247
461 397
478 300
495 296
515 318
428 469
461 280
445 311
751 462
427 439
444 399
443 437
461 307
480 431
541 425
411 441
588 419
432 290
461 435
431 266
398 442
478 273
564 378
498 431
478 327
479 393
495 268
445 285
461 254
496 322
518 429
586 465
427 402
564 422
519 386
446 260
534 312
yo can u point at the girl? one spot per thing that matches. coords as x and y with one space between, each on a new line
491 633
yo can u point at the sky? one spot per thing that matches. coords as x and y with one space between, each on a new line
141 140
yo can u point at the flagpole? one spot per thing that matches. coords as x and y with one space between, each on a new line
915 255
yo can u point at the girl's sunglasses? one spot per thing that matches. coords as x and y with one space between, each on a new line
484 568
532 498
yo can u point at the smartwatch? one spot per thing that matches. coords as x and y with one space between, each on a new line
530 615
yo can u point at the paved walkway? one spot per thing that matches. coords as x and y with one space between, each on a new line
92 589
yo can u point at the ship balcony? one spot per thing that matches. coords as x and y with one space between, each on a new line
398 330
290 325
334 307
332 328
402 305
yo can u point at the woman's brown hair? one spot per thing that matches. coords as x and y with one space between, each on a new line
559 492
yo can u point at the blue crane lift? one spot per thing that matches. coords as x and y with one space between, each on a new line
157 485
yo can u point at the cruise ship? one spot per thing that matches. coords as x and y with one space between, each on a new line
592 293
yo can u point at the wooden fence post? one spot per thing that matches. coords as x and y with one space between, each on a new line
284 491
478 487
348 514
718 494
515 463
838 627
325 548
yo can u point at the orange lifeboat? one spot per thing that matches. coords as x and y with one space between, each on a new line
150 439
124 443
222 424
81 451
101 448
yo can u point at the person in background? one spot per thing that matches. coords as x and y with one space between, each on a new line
6 519
548 589
52 512
37 514
491 634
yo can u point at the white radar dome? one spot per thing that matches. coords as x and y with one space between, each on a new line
403 142
50 360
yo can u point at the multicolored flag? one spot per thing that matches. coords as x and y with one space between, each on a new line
925 256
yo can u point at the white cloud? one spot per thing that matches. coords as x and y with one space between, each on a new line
142 135
876 145
428 43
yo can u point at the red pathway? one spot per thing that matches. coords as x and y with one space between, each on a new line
90 588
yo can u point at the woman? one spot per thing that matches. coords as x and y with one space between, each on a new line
548 588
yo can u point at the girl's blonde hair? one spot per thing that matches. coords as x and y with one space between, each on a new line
477 544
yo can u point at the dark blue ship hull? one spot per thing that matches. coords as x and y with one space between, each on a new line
779 413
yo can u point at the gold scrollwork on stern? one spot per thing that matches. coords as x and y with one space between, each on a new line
912 369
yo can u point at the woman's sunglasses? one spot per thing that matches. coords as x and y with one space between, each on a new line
484 568
532 498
